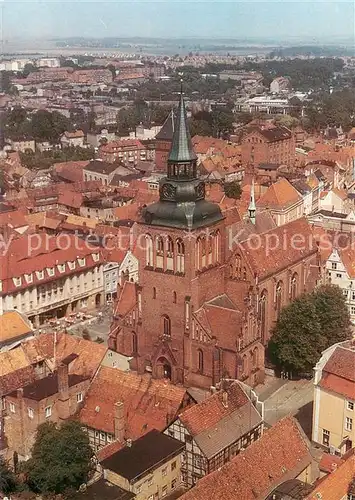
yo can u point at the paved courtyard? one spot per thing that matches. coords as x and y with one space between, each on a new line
293 397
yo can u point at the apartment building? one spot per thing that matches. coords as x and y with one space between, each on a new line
334 398
128 151
262 144
340 271
46 277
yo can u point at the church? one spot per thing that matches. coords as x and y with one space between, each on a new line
204 305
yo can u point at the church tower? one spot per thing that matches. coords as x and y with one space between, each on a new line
181 245
182 201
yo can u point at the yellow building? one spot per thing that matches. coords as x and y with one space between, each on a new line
150 467
334 398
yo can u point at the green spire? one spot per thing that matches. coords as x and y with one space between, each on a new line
181 148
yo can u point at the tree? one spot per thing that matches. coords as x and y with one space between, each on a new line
48 126
200 127
61 458
5 81
112 68
8 481
233 190
29 68
333 313
287 121
307 326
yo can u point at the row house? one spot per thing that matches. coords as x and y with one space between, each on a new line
335 200
340 271
64 276
281 458
122 406
53 398
33 374
127 151
149 468
210 433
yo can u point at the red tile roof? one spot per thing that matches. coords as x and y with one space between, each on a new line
279 195
221 323
148 403
109 450
86 362
121 145
30 253
329 462
335 486
127 212
347 256
70 170
338 385
13 219
70 199
279 247
281 453
16 379
209 412
74 135
342 363
127 299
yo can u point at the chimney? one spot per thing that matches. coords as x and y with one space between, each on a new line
63 392
119 423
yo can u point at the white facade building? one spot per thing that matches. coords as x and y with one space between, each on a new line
54 283
340 270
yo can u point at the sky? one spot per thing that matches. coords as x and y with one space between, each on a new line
282 19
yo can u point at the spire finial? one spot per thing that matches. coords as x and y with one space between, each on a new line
181 87
181 148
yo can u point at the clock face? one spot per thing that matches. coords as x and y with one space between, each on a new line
200 190
168 191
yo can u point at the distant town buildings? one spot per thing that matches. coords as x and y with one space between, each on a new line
280 84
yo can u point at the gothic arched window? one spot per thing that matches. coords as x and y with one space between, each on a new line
294 285
262 313
203 251
166 325
278 302
169 254
159 249
200 360
134 343
148 251
180 256
238 266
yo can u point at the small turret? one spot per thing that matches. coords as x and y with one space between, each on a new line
252 206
